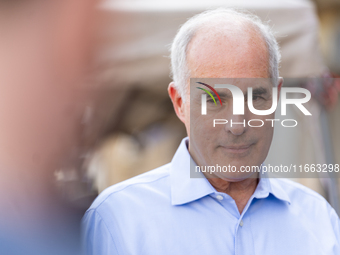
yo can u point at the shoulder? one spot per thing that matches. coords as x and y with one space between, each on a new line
309 204
303 197
296 189
123 212
145 185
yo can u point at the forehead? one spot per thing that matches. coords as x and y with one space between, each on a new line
226 50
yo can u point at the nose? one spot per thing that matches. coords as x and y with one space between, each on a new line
236 125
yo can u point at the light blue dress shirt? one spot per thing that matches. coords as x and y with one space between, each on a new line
164 211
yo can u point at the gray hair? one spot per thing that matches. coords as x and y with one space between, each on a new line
179 69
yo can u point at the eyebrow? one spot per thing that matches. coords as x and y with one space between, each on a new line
257 92
225 95
222 95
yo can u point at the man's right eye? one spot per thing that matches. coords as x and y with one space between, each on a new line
210 100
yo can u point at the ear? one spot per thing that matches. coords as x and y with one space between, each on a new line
279 85
177 101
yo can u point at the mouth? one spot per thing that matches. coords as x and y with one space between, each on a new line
240 150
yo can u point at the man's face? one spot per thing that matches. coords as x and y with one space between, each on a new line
237 56
234 143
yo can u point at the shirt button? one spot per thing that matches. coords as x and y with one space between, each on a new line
241 223
219 197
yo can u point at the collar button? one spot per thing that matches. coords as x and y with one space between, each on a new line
219 197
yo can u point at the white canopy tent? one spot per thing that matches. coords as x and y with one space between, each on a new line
141 32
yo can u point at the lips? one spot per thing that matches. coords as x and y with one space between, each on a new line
238 149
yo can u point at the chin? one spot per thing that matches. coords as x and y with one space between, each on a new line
236 177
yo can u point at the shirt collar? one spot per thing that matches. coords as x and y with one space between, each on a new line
268 186
185 189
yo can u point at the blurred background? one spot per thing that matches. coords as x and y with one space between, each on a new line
84 103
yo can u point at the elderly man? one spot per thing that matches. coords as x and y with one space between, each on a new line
165 211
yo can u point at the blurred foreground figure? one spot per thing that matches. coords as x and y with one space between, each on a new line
45 66
165 211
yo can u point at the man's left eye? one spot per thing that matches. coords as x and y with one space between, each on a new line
256 98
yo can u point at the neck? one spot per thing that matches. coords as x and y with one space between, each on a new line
240 191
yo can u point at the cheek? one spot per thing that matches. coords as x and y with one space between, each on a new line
203 132
201 127
266 136
264 133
